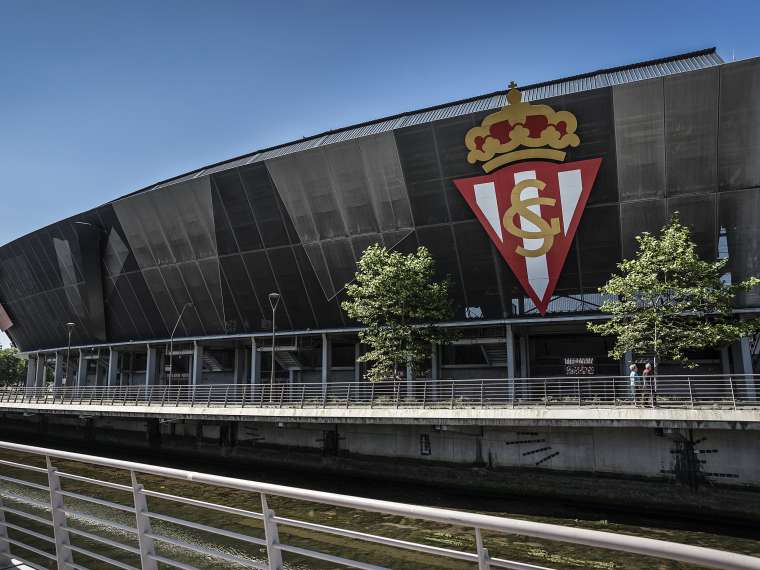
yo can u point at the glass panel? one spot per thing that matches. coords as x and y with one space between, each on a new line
640 139
691 123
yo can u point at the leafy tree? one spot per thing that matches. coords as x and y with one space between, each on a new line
12 367
668 301
396 298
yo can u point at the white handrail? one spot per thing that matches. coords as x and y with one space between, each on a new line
633 544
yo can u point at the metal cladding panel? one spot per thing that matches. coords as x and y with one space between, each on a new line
637 217
341 191
691 132
738 215
640 139
739 126
171 232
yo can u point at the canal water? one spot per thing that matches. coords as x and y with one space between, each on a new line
89 517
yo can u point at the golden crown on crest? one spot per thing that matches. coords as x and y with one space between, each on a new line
498 139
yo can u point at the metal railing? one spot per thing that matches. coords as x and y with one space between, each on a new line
715 391
54 534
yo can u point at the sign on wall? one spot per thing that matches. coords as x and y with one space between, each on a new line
529 202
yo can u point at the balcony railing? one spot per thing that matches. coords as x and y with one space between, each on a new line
703 391
96 512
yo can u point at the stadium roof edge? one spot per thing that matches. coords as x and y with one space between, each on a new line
679 63
689 61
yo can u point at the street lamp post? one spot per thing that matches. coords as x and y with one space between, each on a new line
274 300
171 339
70 328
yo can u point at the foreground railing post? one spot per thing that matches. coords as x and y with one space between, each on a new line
274 556
145 542
483 557
61 535
691 393
5 547
733 395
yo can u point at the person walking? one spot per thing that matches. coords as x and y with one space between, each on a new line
650 389
633 379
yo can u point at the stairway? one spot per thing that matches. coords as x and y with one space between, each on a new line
288 359
496 353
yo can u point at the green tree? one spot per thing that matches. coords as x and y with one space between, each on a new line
397 299
12 367
667 301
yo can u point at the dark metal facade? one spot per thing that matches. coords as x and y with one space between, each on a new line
297 221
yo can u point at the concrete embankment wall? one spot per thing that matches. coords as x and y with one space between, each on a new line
708 472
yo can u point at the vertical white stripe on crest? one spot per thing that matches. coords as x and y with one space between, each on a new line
485 198
537 267
570 188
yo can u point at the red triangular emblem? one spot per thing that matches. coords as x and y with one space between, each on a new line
532 210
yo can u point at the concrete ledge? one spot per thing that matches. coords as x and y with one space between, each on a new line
741 419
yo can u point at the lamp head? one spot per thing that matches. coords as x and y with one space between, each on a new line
274 299
70 325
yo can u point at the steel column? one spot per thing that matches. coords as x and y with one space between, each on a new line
197 375
255 363
31 371
60 362
151 366
113 366
41 368
81 370
325 362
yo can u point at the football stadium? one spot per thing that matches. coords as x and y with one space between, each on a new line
527 198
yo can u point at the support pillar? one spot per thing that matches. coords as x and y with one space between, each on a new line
113 366
60 363
197 363
510 340
725 360
255 363
325 362
81 370
357 364
151 366
31 371
409 379
524 368
746 362
239 371
99 369
41 367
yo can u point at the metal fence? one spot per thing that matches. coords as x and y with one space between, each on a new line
721 391
54 535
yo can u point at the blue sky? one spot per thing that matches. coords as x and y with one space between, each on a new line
99 98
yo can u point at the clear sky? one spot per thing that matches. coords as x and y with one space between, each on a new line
99 98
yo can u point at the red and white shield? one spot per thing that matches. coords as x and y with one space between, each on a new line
532 210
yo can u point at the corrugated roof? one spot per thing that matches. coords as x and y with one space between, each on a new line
593 80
